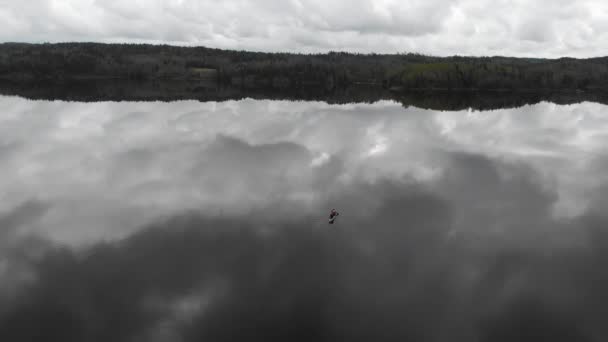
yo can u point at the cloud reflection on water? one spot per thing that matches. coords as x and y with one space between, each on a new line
459 225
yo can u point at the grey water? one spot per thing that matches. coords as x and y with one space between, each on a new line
191 220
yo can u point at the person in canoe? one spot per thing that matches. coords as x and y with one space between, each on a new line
332 216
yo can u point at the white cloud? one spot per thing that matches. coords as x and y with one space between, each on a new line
544 28
106 168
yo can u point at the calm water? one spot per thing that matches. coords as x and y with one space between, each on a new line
188 220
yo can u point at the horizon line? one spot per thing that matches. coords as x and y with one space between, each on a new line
369 54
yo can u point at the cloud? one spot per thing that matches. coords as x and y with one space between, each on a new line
17 247
109 168
395 272
439 27
22 214
181 221
275 284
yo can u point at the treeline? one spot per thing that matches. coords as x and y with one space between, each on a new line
63 62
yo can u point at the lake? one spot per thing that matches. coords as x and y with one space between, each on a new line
193 220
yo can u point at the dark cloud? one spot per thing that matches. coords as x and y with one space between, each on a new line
293 282
530 319
394 272
22 214
17 247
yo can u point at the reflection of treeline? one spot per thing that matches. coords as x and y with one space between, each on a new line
122 90
28 62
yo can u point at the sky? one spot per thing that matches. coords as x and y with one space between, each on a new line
522 28
189 221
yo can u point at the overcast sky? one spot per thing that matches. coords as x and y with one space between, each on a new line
539 28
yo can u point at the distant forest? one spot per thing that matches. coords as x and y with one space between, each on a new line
25 63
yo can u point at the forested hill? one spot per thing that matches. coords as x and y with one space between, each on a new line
22 63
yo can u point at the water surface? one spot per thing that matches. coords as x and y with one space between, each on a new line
454 224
